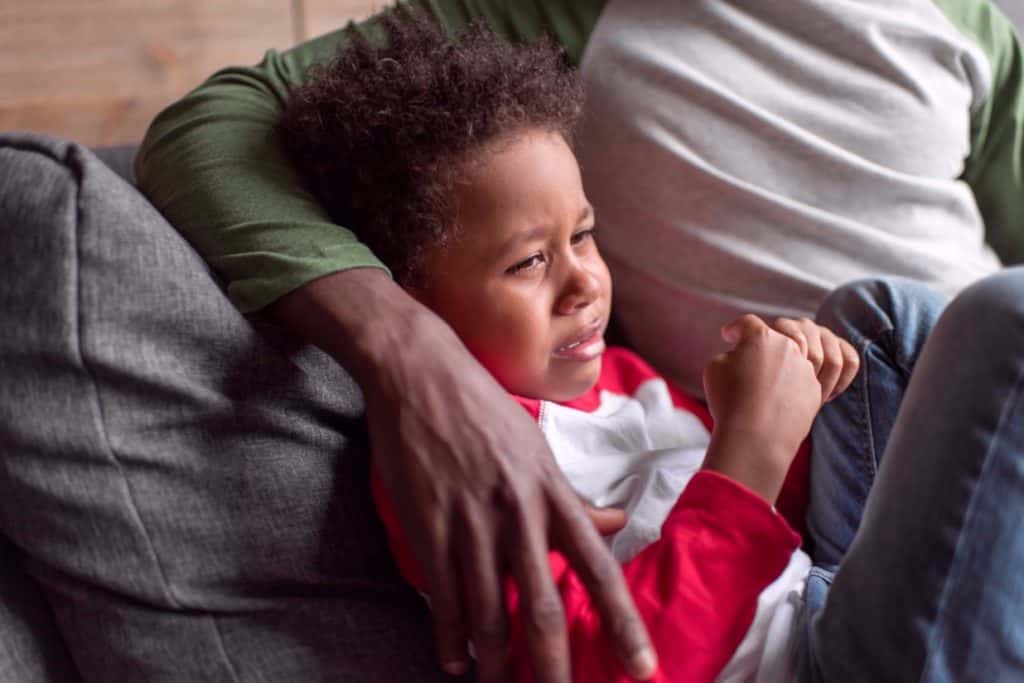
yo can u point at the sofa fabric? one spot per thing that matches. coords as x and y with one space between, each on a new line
31 648
187 487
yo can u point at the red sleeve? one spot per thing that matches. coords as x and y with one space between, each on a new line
623 371
793 498
696 588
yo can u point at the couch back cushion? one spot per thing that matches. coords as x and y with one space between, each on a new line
188 487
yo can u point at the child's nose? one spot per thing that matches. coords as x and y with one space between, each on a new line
581 289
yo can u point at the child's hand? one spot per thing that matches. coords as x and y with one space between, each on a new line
608 520
834 359
763 395
764 385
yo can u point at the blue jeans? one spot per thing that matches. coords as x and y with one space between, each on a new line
887 322
929 588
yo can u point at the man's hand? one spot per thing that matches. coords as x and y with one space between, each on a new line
474 485
834 359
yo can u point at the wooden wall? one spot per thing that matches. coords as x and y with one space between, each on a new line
98 71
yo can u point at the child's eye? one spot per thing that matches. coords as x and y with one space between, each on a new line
527 264
583 235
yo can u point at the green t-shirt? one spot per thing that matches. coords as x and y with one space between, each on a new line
213 164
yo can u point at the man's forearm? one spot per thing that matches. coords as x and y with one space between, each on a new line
361 318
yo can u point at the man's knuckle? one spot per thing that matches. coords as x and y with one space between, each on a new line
492 630
516 497
603 576
545 615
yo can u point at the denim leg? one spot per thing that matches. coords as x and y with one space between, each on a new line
931 587
887 321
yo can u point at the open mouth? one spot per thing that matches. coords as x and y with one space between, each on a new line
588 344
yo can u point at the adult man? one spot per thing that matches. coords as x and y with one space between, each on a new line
741 157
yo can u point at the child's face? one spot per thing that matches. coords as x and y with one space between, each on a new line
523 285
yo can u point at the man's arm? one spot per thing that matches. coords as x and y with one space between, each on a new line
475 487
214 165
478 486
995 167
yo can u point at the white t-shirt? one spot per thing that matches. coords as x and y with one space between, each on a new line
724 184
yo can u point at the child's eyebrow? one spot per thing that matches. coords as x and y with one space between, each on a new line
539 231
587 213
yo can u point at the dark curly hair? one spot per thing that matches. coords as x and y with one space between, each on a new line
381 134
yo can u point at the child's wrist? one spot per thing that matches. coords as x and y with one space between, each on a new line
756 459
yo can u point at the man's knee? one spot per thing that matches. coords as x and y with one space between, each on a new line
991 308
871 308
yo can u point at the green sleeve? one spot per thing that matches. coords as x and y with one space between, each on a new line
995 167
213 164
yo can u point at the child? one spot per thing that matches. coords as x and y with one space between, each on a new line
458 173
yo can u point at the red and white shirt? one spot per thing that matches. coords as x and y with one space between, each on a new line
716 572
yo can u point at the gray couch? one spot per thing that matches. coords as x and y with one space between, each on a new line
183 490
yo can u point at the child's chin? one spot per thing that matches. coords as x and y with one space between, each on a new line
581 381
557 384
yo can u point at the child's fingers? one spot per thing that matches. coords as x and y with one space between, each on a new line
791 328
831 366
741 328
851 365
805 335
606 520
816 350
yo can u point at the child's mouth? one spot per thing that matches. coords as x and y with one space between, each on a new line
587 346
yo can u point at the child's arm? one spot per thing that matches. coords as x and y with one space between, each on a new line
696 588
763 395
765 392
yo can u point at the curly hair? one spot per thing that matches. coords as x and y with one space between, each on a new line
381 134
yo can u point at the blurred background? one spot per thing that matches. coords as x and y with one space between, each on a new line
97 71
1015 10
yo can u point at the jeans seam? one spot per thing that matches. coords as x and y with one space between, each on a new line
903 364
865 423
938 637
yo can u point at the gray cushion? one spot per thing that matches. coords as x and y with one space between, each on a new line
188 487
31 647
